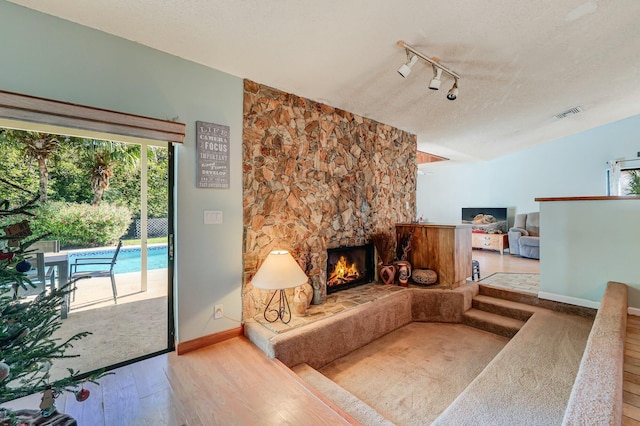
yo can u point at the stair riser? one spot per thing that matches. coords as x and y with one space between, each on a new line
532 300
513 296
498 329
502 310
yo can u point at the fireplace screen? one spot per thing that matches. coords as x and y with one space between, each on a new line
349 266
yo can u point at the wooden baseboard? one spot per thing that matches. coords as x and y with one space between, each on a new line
211 339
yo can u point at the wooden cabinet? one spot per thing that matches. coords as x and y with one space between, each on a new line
444 248
490 241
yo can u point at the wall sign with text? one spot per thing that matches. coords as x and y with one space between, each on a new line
213 155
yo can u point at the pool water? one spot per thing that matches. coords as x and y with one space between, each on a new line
128 258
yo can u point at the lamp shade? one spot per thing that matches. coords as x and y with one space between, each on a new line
278 271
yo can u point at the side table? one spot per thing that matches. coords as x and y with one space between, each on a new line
498 242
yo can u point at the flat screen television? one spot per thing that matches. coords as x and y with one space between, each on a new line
487 219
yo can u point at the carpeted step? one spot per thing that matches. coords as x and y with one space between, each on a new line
529 382
344 399
507 308
493 323
509 294
533 300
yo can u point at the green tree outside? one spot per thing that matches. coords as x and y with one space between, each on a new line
86 171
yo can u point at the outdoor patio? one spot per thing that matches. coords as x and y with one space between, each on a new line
136 326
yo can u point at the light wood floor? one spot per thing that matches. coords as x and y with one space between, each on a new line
492 261
631 397
231 383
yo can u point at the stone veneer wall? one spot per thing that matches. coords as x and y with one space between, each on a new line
317 177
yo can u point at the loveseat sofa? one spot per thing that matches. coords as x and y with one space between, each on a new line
524 237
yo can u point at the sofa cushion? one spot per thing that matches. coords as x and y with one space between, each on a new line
520 221
533 224
529 247
529 241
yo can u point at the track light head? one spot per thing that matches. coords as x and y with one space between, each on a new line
435 81
453 92
405 69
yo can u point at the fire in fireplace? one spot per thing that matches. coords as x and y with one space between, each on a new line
349 266
343 272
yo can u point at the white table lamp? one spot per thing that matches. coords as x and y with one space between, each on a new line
278 272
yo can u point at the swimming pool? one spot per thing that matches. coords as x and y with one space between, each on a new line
128 258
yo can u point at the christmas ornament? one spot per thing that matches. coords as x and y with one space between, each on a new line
14 309
45 366
4 371
23 266
14 332
18 230
24 333
47 404
6 255
82 395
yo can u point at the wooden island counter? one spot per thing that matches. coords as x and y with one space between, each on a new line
444 248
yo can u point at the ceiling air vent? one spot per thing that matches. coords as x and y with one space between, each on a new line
569 112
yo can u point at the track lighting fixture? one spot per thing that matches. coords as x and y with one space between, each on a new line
453 92
438 69
435 81
405 69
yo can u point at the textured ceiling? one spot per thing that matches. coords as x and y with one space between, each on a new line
520 62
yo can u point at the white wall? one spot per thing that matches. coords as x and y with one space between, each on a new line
51 58
585 244
572 166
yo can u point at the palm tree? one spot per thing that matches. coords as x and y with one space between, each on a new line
634 182
39 147
103 155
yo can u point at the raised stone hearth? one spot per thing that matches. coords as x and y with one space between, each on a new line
317 177
335 303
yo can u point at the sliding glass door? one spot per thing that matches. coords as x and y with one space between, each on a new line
103 201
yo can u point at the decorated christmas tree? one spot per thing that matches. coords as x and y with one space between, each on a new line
27 324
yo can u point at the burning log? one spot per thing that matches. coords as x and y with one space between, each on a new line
343 272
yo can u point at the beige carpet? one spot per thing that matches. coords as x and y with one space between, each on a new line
530 381
412 374
529 283
120 332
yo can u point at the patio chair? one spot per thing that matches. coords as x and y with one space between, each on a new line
97 273
46 246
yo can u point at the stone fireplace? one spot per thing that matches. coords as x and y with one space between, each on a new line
317 177
349 267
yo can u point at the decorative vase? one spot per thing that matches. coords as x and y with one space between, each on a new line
404 272
319 291
303 295
299 308
424 276
387 274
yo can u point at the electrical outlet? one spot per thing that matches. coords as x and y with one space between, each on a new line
217 313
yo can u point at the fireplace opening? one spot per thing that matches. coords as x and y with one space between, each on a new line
349 266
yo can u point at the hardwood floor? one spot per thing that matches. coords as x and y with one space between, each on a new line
230 383
631 395
492 261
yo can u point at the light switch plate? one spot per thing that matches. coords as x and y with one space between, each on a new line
212 217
